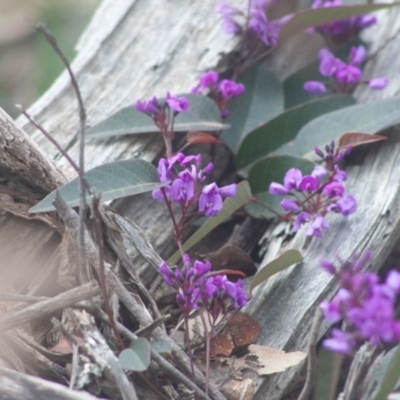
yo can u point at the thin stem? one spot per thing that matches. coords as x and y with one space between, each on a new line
208 342
261 204
102 274
171 213
81 137
188 346
312 357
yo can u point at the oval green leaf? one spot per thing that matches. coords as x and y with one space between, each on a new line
112 180
243 196
202 115
262 100
284 128
313 17
285 260
137 356
162 347
385 376
366 118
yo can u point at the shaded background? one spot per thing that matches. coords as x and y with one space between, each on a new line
28 65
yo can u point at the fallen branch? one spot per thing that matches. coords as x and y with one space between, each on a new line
45 308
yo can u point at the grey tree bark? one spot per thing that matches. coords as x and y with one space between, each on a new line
134 49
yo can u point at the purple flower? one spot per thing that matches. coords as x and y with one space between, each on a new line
208 79
329 64
182 189
289 205
316 226
167 273
328 267
210 202
201 268
228 13
346 205
228 191
151 106
357 55
378 83
314 87
308 184
301 219
277 189
230 89
318 172
334 189
340 342
348 75
341 30
292 178
179 104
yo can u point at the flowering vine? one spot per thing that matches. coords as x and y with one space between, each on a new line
365 303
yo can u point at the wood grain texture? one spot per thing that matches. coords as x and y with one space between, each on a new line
135 49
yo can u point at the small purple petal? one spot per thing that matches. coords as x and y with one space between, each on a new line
228 191
334 189
208 79
347 205
178 104
292 178
378 83
230 89
289 205
277 189
316 226
314 87
308 184
318 172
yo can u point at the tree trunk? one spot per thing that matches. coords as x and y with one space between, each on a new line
134 49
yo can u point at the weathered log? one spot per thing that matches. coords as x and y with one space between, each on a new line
134 49
15 386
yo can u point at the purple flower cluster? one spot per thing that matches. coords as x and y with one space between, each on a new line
220 91
311 197
345 77
196 287
257 22
154 107
185 186
342 30
364 303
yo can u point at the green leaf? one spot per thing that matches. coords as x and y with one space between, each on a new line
137 356
313 17
162 347
243 196
112 180
272 169
202 115
365 118
385 376
285 260
262 100
293 85
284 128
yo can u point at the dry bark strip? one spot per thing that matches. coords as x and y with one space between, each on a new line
46 307
15 385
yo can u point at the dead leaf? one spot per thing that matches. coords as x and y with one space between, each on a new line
241 331
231 257
194 137
63 346
354 139
273 360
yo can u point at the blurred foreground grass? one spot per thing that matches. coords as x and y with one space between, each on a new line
28 66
